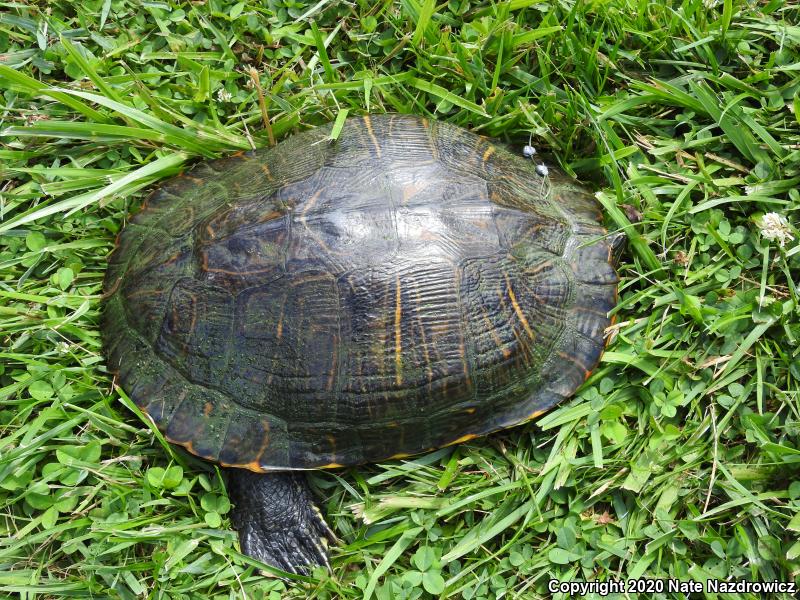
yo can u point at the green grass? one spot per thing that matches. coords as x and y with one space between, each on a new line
679 458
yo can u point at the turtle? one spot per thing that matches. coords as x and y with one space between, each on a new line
335 300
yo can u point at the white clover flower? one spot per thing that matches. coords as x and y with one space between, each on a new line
765 300
774 227
359 510
224 95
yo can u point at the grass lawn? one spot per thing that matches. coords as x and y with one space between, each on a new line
679 458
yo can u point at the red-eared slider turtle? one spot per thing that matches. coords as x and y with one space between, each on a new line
329 303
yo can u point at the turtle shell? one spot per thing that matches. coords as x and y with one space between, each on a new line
326 303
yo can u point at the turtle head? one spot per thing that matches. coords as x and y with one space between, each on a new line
619 241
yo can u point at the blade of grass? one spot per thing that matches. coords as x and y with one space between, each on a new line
338 124
443 94
77 130
133 180
330 75
31 86
425 13
391 556
182 138
87 68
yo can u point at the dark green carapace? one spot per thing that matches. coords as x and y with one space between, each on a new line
326 303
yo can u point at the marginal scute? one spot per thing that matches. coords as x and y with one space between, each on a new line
254 441
590 261
324 447
189 423
325 303
589 322
581 205
565 376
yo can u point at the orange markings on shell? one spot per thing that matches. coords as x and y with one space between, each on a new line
535 414
518 309
462 439
575 361
255 464
371 133
399 455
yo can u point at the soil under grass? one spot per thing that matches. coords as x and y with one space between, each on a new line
680 456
